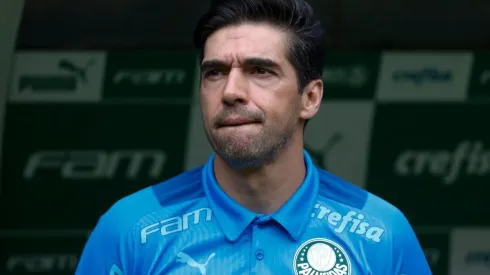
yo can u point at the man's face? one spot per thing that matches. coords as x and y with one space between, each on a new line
250 99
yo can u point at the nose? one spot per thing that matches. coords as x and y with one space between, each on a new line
236 90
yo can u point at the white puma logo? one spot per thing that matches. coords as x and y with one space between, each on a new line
186 259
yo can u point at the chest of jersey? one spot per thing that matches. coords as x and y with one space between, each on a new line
202 248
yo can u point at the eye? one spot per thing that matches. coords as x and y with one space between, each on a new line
213 74
261 71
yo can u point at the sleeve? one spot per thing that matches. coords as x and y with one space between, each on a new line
409 258
107 250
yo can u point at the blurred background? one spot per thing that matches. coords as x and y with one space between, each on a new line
98 100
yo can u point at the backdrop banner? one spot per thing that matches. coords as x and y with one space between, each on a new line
10 16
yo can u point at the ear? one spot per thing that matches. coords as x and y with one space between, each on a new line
311 99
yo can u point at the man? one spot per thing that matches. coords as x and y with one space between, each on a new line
259 205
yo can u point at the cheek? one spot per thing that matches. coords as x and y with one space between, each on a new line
289 113
281 108
210 96
280 96
208 107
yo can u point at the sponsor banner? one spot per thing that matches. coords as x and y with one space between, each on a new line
350 75
432 161
150 75
57 77
470 251
68 163
436 249
10 17
424 76
480 77
337 139
49 255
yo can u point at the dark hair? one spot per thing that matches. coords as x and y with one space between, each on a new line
307 39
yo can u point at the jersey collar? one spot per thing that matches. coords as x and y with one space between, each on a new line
233 218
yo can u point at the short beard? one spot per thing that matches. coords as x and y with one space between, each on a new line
256 152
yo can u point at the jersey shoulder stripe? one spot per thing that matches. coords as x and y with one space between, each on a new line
126 212
184 187
341 191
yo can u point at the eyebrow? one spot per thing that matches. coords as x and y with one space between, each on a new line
248 62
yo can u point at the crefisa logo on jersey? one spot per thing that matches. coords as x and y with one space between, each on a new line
321 257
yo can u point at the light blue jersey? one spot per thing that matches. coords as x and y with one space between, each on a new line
188 225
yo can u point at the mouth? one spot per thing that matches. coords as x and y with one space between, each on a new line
236 122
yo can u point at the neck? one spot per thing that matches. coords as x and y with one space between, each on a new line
264 190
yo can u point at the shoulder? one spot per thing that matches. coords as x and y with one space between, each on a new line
184 187
351 196
341 191
128 211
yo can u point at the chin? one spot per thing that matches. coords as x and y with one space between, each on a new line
241 158
240 147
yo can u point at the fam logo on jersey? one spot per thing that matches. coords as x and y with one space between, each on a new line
321 257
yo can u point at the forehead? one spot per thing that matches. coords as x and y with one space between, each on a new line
233 43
